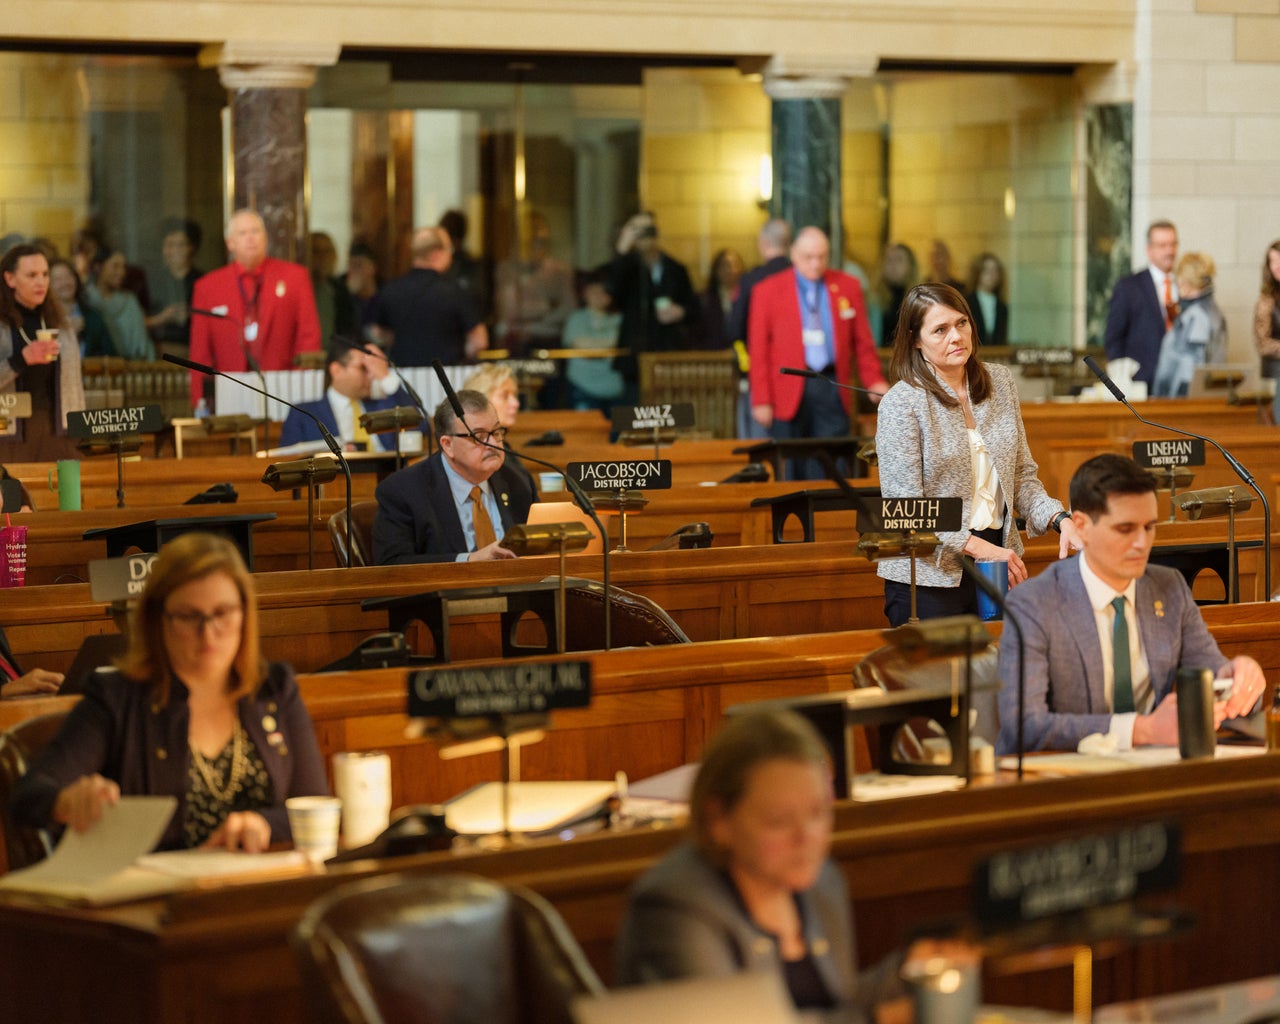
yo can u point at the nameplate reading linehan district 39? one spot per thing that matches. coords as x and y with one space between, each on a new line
881 515
506 689
630 475
1183 451
658 416
1075 874
105 423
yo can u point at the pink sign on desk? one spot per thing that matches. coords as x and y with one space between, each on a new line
13 554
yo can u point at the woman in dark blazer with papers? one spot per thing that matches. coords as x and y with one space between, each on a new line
193 712
952 428
754 889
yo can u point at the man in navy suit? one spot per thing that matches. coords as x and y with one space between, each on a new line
1086 672
353 374
1144 305
457 505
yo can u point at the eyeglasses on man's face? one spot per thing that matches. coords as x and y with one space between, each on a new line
495 436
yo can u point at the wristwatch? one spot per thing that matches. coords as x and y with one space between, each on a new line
1056 522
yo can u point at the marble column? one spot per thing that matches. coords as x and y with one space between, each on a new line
807 142
267 87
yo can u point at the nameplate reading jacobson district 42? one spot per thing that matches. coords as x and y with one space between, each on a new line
882 515
1183 451
1088 871
629 475
137 419
658 416
506 689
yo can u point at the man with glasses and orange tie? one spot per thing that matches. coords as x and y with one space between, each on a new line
457 505
1144 305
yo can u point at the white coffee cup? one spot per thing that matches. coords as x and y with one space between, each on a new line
362 782
314 822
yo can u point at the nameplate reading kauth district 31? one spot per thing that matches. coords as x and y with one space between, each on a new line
1185 451
882 515
1075 874
137 419
506 689
658 416
629 475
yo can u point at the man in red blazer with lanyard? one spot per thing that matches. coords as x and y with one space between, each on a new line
816 318
268 311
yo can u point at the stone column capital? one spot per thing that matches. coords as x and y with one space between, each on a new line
266 64
789 76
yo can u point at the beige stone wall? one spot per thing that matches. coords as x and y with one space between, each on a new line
961 148
44 161
703 133
1023 30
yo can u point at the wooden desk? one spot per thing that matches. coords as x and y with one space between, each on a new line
313 618
222 955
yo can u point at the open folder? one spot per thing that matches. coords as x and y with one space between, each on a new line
111 862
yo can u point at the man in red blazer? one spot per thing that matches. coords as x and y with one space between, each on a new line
816 318
264 309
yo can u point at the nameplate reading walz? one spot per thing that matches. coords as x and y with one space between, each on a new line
883 515
506 689
628 475
657 416
1185 451
1075 874
137 419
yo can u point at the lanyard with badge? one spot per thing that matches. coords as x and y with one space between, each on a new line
816 355
250 305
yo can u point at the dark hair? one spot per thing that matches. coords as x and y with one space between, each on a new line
51 309
746 742
1270 286
908 363
174 225
193 556
58 261
975 272
444 422
1104 475
454 223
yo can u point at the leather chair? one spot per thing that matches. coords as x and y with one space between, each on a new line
635 621
438 950
23 845
362 513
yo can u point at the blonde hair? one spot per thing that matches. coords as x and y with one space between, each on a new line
193 556
734 752
1196 268
489 378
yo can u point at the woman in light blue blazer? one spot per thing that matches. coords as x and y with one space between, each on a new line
951 427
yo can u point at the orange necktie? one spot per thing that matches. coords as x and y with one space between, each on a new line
1168 303
480 520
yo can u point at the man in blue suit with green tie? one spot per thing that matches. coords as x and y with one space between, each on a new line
1105 632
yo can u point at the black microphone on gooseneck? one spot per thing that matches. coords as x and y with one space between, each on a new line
224 313
1232 461
325 433
579 495
794 371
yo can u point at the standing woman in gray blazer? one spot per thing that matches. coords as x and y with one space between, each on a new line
952 428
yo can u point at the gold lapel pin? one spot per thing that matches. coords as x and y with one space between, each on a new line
1159 609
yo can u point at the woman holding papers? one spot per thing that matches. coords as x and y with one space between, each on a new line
754 889
952 428
193 712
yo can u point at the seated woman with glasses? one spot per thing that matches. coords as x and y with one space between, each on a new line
755 889
192 712
458 504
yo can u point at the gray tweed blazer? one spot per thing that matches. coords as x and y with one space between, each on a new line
923 451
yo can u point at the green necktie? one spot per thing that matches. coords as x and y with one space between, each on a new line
1122 676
